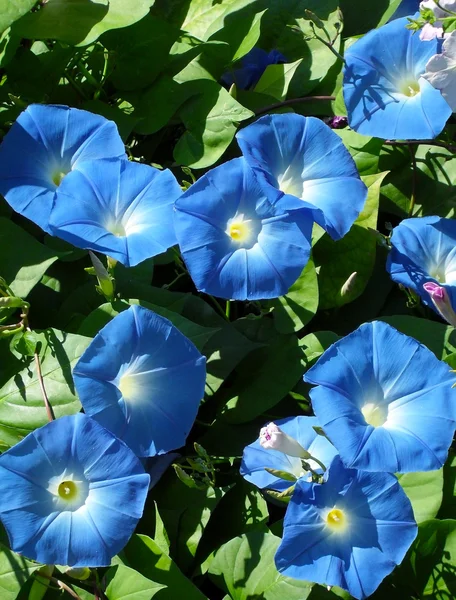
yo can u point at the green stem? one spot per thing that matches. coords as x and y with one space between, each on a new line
413 194
217 305
228 309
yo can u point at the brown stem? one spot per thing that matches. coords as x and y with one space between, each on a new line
47 404
292 101
409 143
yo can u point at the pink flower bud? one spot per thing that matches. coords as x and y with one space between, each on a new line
441 301
273 438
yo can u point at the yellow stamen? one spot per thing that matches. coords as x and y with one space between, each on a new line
336 519
238 231
68 490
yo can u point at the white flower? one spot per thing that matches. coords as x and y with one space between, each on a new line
429 32
441 70
273 438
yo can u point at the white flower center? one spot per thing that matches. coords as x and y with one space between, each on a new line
374 414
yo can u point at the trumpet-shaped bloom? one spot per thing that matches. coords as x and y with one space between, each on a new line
142 379
253 65
256 457
384 91
237 239
350 531
441 71
384 400
71 493
306 161
117 207
45 146
424 252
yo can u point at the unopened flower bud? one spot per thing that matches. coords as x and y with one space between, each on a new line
441 301
273 438
347 288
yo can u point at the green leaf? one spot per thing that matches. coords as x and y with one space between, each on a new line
9 43
25 343
23 260
251 38
211 119
123 582
265 377
353 253
245 568
103 314
364 150
148 559
12 10
434 187
448 507
276 79
205 17
185 513
21 402
14 572
425 491
140 52
297 307
80 22
314 344
430 570
439 338
360 17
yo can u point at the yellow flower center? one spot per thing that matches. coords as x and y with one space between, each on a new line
57 177
238 231
128 386
68 490
374 415
336 519
409 88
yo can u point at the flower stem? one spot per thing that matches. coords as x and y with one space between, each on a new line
47 404
414 173
228 309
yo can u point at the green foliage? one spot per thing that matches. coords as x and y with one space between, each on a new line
14 572
245 568
425 491
123 582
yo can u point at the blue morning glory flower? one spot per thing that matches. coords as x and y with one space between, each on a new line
237 239
117 207
44 146
384 400
424 252
350 531
272 451
253 65
306 161
384 91
142 379
71 493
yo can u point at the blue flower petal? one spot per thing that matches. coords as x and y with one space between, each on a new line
143 380
424 250
377 528
46 144
255 458
384 92
273 251
253 65
308 162
384 410
45 525
117 207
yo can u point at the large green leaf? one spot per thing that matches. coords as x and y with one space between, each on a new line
12 10
140 52
185 513
21 402
245 568
211 119
297 307
23 260
364 150
14 572
434 186
123 582
425 491
430 570
80 22
448 508
276 79
353 253
439 338
264 378
205 17
360 16
146 557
